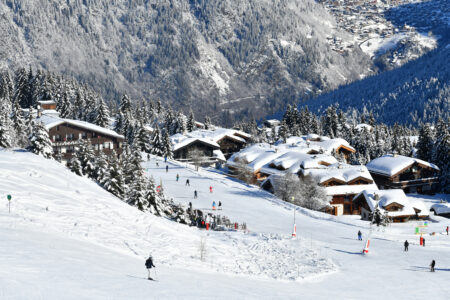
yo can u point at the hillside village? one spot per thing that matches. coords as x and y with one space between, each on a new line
374 34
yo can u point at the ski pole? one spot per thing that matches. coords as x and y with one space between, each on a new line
156 275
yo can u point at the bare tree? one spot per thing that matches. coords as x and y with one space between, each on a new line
197 157
202 249
243 173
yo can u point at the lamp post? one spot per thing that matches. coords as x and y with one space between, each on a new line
294 232
9 203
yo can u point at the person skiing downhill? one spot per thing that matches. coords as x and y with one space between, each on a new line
149 264
447 230
210 189
359 235
167 168
406 245
187 182
178 177
433 263
220 205
214 205
195 194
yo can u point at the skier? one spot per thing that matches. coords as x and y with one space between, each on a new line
187 182
190 206
220 205
167 168
359 235
195 194
210 189
214 205
178 177
149 264
157 164
433 263
406 245
447 230
165 158
423 241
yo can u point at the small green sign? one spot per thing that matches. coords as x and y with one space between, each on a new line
9 197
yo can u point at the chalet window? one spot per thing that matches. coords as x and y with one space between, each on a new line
70 137
94 134
100 146
108 145
120 145
96 147
57 128
84 135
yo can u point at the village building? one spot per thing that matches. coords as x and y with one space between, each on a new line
264 160
401 172
217 145
66 135
393 202
441 209
341 182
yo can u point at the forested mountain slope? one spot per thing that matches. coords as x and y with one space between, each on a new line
417 92
227 56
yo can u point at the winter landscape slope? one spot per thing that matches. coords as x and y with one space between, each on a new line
224 58
419 91
67 236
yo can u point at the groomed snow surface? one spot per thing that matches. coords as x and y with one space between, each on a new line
66 238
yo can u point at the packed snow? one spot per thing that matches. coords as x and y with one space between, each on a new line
67 238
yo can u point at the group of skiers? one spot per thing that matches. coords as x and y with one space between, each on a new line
406 244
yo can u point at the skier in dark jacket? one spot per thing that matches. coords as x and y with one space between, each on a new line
149 264
423 243
406 245
167 168
433 263
359 235
195 194
187 183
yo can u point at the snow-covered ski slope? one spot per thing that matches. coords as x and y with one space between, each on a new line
66 238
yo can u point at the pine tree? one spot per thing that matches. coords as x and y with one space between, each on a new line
20 128
102 116
135 177
101 168
330 127
167 146
75 166
65 107
425 144
190 126
157 142
142 140
39 141
441 155
79 106
113 180
207 123
283 131
86 156
22 91
5 130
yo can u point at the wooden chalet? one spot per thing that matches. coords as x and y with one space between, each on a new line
401 172
342 182
208 151
393 202
66 135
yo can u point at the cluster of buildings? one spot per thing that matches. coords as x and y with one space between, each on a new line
364 20
353 190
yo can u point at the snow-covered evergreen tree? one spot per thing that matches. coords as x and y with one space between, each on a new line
142 139
441 155
86 156
39 141
5 130
207 123
157 147
190 126
425 144
20 128
102 116
113 180
167 146
75 166
64 106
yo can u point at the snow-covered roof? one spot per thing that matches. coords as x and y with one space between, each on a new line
314 141
46 102
341 172
387 197
210 137
51 121
390 164
219 155
179 141
441 208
